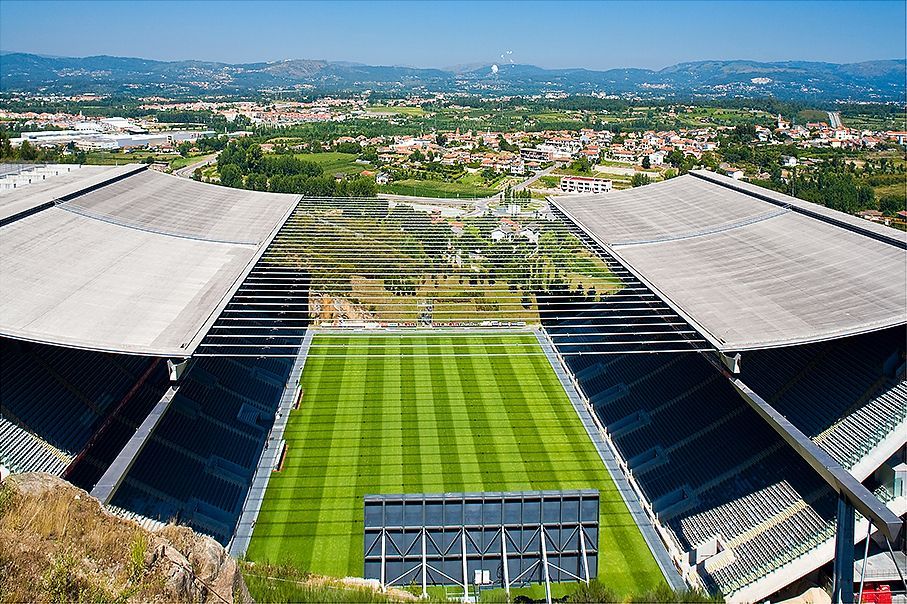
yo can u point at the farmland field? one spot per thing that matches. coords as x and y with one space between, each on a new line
414 414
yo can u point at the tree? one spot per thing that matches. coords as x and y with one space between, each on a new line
582 165
253 158
892 204
639 179
646 162
6 148
230 176
257 182
361 187
675 158
27 152
348 147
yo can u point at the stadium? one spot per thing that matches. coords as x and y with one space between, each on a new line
698 382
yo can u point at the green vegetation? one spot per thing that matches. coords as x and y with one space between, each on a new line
437 268
436 188
242 164
640 179
282 583
396 110
430 414
875 117
279 584
183 161
811 115
333 163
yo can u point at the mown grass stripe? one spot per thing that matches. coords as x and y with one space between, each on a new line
410 423
444 424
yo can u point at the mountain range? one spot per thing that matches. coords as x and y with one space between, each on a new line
882 80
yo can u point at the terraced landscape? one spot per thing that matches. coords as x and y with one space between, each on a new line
407 413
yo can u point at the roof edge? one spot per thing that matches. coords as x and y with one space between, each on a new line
705 333
81 345
714 340
88 184
806 208
199 335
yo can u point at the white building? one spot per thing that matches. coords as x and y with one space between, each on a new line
585 184
657 158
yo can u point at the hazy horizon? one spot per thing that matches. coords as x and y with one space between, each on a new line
648 35
4 51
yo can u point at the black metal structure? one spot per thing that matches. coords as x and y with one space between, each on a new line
502 539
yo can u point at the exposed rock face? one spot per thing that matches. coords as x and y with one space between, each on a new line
58 543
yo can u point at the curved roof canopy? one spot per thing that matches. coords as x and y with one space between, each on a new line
139 265
751 268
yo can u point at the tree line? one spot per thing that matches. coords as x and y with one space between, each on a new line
243 165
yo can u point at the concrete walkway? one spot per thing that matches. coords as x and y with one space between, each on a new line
627 493
270 456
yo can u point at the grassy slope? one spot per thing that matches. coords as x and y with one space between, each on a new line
388 424
335 163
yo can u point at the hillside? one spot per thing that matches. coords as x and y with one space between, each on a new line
871 80
58 544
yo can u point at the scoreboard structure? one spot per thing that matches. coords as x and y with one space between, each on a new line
488 539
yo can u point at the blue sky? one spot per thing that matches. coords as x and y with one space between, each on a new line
582 34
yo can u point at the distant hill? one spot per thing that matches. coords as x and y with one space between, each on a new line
868 81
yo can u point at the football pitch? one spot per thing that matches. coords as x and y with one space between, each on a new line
434 414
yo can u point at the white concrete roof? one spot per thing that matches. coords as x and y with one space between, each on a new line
53 188
179 206
129 279
747 272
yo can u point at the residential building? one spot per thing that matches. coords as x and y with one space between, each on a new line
585 184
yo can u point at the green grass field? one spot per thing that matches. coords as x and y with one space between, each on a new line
436 188
398 110
333 162
412 414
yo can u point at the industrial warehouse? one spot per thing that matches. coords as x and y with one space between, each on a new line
697 379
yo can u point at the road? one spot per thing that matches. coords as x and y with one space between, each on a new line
535 177
188 170
834 119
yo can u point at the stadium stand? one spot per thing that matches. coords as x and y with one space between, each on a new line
855 378
198 465
62 393
124 266
23 451
711 469
725 259
129 261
